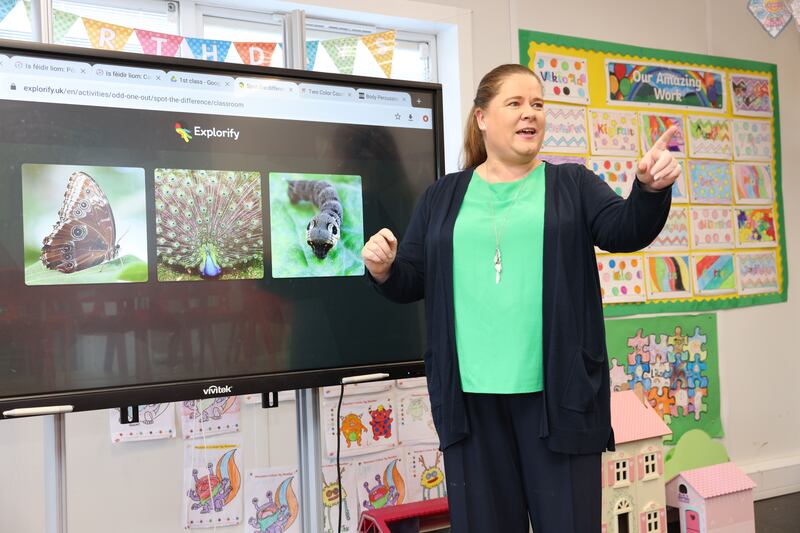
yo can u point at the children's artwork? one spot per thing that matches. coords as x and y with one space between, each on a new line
415 424
426 476
710 182
758 272
411 383
209 416
564 78
712 227
794 7
212 495
619 173
713 274
755 227
675 233
565 129
668 276
710 137
773 15
752 140
672 360
621 278
156 421
653 126
366 425
614 132
750 95
680 192
353 389
333 496
555 159
752 183
381 481
271 503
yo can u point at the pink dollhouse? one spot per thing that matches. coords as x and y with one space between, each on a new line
633 475
713 499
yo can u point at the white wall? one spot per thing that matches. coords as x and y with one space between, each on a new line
136 487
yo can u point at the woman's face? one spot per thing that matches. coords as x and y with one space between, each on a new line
513 122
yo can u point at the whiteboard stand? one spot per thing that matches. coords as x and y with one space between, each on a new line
55 473
309 439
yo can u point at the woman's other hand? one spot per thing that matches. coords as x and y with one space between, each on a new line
379 253
658 169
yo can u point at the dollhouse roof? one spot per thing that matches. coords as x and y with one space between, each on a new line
717 480
634 420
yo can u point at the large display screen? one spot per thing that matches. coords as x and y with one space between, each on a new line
169 226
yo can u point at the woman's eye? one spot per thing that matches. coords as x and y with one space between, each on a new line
513 104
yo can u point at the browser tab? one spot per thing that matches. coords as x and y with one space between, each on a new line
116 73
200 81
373 96
30 66
4 61
327 92
266 87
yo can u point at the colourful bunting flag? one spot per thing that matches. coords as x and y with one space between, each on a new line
381 46
311 54
208 49
159 44
62 23
5 8
773 15
256 53
106 36
794 7
342 52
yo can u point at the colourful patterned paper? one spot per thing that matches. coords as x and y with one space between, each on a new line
156 421
368 423
564 78
619 173
755 227
254 53
426 476
342 52
5 8
752 140
381 46
332 493
106 36
773 15
794 6
758 272
713 274
210 416
271 502
753 183
160 44
668 276
710 137
675 233
712 227
654 125
613 132
565 129
680 192
381 481
555 159
750 95
710 182
311 54
62 23
208 49
212 483
621 278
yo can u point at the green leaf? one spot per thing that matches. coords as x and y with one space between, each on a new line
128 268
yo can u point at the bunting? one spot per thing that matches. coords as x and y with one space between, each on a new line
160 44
5 8
208 49
311 54
342 52
381 46
105 35
256 53
62 21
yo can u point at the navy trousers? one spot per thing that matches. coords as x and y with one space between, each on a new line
503 478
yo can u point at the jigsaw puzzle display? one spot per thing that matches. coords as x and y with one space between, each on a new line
723 245
672 362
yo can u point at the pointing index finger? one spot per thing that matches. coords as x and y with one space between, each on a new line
663 142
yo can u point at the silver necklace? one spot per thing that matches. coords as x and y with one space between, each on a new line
498 258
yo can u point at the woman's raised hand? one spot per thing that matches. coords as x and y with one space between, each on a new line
658 169
379 253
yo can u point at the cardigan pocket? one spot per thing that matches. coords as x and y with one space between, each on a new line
583 383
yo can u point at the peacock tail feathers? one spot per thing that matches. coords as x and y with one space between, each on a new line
208 220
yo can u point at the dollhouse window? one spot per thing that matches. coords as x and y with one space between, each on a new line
621 471
650 469
652 522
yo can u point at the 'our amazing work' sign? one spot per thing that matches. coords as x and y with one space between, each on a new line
660 85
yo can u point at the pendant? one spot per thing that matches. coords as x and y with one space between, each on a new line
498 265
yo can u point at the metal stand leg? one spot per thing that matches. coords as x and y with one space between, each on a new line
309 440
55 473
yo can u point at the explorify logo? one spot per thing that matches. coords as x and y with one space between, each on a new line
183 132
216 389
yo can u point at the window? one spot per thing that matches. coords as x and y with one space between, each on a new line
650 469
245 26
652 522
621 469
15 24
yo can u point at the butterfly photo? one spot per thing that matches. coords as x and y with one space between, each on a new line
84 224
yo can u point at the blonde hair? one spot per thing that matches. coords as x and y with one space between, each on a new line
474 148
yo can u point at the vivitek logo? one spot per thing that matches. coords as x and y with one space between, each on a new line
216 389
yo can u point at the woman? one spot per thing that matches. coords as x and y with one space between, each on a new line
503 254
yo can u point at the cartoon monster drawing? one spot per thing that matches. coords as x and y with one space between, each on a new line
351 429
207 408
148 413
216 489
432 478
276 516
331 495
381 422
389 491
417 409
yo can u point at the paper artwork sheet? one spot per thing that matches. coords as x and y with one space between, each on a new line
755 227
381 480
212 482
758 272
713 274
555 159
353 389
426 475
367 424
712 227
415 424
668 276
773 15
710 137
614 132
333 497
210 416
619 173
710 182
621 278
565 129
653 125
753 183
680 191
752 140
156 421
411 383
271 500
564 78
675 233
751 95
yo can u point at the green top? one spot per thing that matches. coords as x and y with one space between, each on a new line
499 326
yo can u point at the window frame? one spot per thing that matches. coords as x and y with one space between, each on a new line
650 461
653 519
621 469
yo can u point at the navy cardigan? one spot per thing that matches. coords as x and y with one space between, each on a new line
580 211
